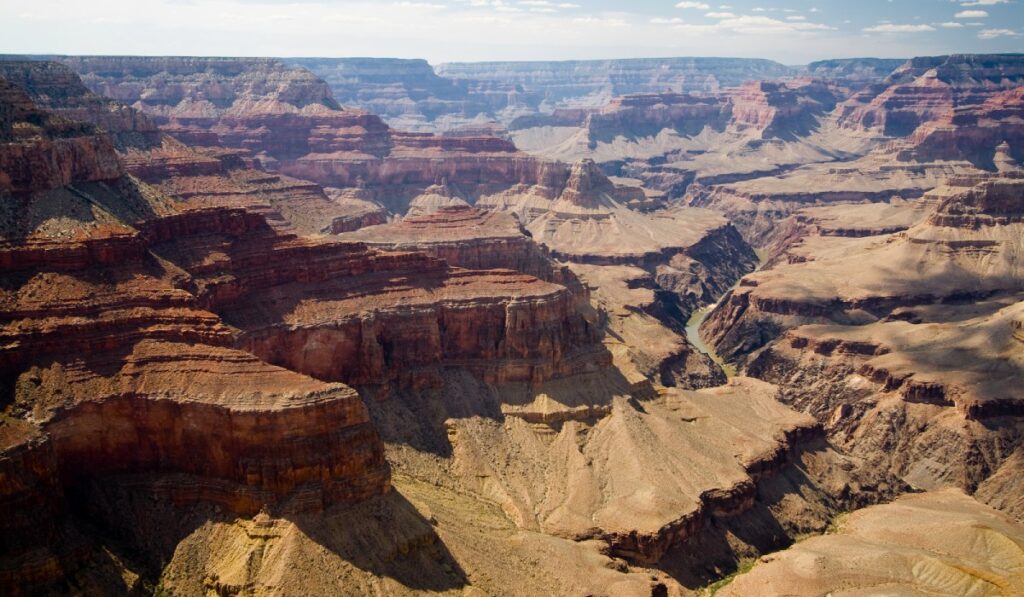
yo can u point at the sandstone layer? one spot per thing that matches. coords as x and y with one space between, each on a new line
903 344
136 323
938 543
111 367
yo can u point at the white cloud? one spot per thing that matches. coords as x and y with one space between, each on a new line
994 33
971 14
697 5
548 4
984 2
720 15
891 28
420 5
796 18
951 25
465 30
602 21
747 24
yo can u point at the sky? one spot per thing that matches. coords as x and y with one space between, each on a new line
789 31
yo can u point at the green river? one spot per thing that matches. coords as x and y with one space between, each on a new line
698 317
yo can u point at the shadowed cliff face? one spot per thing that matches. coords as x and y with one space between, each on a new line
59 89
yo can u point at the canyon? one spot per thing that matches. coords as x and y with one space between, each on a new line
636 327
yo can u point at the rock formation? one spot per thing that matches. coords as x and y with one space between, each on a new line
930 88
373 165
590 80
919 543
140 328
903 344
760 151
410 96
60 90
854 72
110 366
644 512
255 342
468 237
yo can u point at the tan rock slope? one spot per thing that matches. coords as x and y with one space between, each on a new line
904 344
642 479
937 543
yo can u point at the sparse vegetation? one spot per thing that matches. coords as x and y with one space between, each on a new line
744 567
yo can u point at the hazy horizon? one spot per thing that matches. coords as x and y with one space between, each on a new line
787 31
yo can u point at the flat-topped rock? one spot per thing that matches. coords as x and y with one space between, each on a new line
942 252
446 225
613 233
472 238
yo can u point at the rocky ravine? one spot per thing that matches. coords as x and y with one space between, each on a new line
372 172
903 344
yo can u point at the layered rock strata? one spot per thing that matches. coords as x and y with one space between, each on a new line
413 95
59 89
288 120
109 367
693 253
134 321
903 344
854 72
207 177
590 81
468 237
409 95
